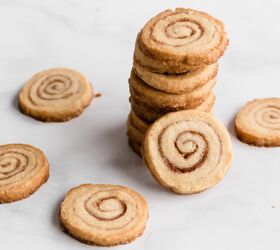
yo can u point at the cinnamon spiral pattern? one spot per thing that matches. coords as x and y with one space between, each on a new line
187 151
23 169
55 95
258 122
183 37
104 215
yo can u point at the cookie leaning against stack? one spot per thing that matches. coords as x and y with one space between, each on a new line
174 67
187 151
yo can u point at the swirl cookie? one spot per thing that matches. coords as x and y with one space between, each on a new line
258 122
104 215
150 114
179 83
55 95
183 37
23 169
157 98
187 151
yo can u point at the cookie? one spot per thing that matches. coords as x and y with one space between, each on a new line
153 64
23 169
158 98
187 151
258 122
136 129
150 114
138 122
135 146
184 37
55 95
104 215
178 83
133 132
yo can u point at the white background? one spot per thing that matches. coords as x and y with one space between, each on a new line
97 38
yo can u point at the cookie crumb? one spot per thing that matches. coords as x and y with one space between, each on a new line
98 95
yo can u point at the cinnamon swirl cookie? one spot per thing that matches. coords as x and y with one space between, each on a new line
104 215
258 122
150 114
183 38
23 169
158 98
55 95
187 151
178 83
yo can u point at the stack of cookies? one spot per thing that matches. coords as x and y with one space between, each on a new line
174 68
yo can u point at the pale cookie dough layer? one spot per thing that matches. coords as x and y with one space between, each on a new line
177 83
23 169
187 151
55 95
258 122
157 98
150 114
104 215
184 35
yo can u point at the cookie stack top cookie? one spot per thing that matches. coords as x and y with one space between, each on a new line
180 40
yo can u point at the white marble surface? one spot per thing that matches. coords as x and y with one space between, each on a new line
97 38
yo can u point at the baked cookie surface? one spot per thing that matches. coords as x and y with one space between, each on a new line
258 122
104 215
183 37
158 98
23 169
150 114
56 95
177 83
187 151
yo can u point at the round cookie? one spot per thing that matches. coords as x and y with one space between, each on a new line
187 151
104 215
158 98
179 83
150 114
184 37
23 169
55 95
258 122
